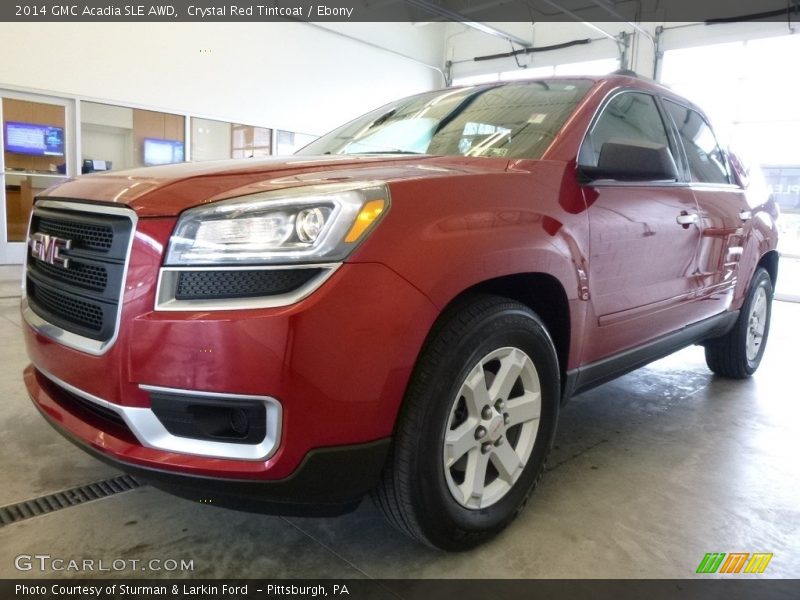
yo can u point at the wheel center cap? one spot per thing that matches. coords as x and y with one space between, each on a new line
496 427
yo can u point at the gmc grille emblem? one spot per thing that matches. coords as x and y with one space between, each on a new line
47 248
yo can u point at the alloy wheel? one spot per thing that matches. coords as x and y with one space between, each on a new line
757 323
492 428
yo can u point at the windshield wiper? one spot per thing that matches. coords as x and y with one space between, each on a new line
382 119
462 106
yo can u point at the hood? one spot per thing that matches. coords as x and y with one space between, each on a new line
170 189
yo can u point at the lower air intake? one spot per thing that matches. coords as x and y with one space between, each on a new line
212 285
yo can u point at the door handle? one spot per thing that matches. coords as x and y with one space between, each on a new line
686 219
745 215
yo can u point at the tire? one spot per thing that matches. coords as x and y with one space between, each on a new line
738 353
432 491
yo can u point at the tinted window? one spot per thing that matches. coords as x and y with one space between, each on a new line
513 120
630 116
706 161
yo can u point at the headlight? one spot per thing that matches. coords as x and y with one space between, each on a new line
310 224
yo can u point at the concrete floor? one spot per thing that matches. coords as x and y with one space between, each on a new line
649 473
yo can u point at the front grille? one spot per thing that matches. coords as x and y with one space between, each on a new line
91 277
83 235
209 285
85 297
58 306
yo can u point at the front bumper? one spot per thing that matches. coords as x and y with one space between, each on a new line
329 481
336 363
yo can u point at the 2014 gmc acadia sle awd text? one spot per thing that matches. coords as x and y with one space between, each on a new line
402 307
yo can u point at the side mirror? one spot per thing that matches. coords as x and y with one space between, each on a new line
631 160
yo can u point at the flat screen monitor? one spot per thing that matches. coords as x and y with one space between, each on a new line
34 139
93 166
162 152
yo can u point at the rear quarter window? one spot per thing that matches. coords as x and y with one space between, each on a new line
707 162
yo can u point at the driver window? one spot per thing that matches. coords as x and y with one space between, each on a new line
631 116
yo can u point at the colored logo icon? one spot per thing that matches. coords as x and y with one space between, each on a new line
733 563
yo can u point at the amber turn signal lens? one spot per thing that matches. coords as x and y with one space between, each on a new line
366 217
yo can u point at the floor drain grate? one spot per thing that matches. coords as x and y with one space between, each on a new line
43 505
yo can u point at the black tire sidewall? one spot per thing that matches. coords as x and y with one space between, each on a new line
442 517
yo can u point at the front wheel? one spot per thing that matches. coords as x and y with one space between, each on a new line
738 353
477 423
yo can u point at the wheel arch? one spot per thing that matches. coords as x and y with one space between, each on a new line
769 262
543 294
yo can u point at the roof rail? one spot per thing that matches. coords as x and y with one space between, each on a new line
628 72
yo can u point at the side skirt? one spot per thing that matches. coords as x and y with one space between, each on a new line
597 373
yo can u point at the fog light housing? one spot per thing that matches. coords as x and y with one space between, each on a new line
240 423
211 419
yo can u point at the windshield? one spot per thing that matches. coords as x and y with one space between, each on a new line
513 120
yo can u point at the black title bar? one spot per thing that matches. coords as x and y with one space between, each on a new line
399 10
735 588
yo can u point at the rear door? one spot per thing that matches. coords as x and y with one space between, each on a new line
723 207
644 236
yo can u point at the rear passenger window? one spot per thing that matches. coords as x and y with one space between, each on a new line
630 116
706 161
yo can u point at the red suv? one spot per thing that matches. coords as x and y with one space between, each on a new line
402 307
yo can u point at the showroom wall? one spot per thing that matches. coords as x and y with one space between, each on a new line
293 76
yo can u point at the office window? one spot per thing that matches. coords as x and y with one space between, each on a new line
211 140
248 141
118 137
35 157
158 138
289 142
106 137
